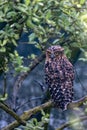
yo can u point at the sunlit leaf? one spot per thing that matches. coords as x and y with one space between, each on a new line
22 8
51 22
4 42
33 56
36 8
48 14
27 2
2 49
35 19
14 42
3 98
55 41
43 113
32 36
84 17
11 14
30 24
82 1
41 28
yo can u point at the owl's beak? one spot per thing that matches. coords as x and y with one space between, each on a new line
52 56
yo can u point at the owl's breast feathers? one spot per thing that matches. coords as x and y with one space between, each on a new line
61 69
59 76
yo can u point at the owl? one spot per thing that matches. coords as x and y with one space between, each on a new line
59 76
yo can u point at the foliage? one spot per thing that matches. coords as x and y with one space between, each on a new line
33 124
18 62
48 22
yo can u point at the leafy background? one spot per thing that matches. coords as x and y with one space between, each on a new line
27 28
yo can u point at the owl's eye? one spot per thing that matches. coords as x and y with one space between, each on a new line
56 53
49 53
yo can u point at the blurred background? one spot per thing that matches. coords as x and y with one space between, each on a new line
31 89
27 29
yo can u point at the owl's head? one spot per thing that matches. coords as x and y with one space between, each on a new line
54 51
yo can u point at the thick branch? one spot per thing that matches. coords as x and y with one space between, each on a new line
31 67
12 113
77 103
72 122
73 105
26 115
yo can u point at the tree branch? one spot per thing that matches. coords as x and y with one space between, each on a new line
21 77
71 106
12 113
77 103
26 115
72 122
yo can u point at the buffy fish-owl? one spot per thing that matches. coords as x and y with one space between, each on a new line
59 76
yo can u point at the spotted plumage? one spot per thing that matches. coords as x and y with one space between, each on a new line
59 76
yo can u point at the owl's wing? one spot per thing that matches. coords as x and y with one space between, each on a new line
69 73
69 69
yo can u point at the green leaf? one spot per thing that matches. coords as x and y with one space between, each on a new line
48 14
4 42
83 59
35 19
16 36
21 68
11 14
2 49
36 8
3 98
82 2
14 42
38 46
22 8
51 22
33 56
27 2
42 112
30 24
16 53
34 121
17 129
56 41
45 40
41 4
41 28
32 36
67 51
25 69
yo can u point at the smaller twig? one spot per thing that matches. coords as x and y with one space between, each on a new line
77 103
29 100
5 85
41 85
23 42
72 122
